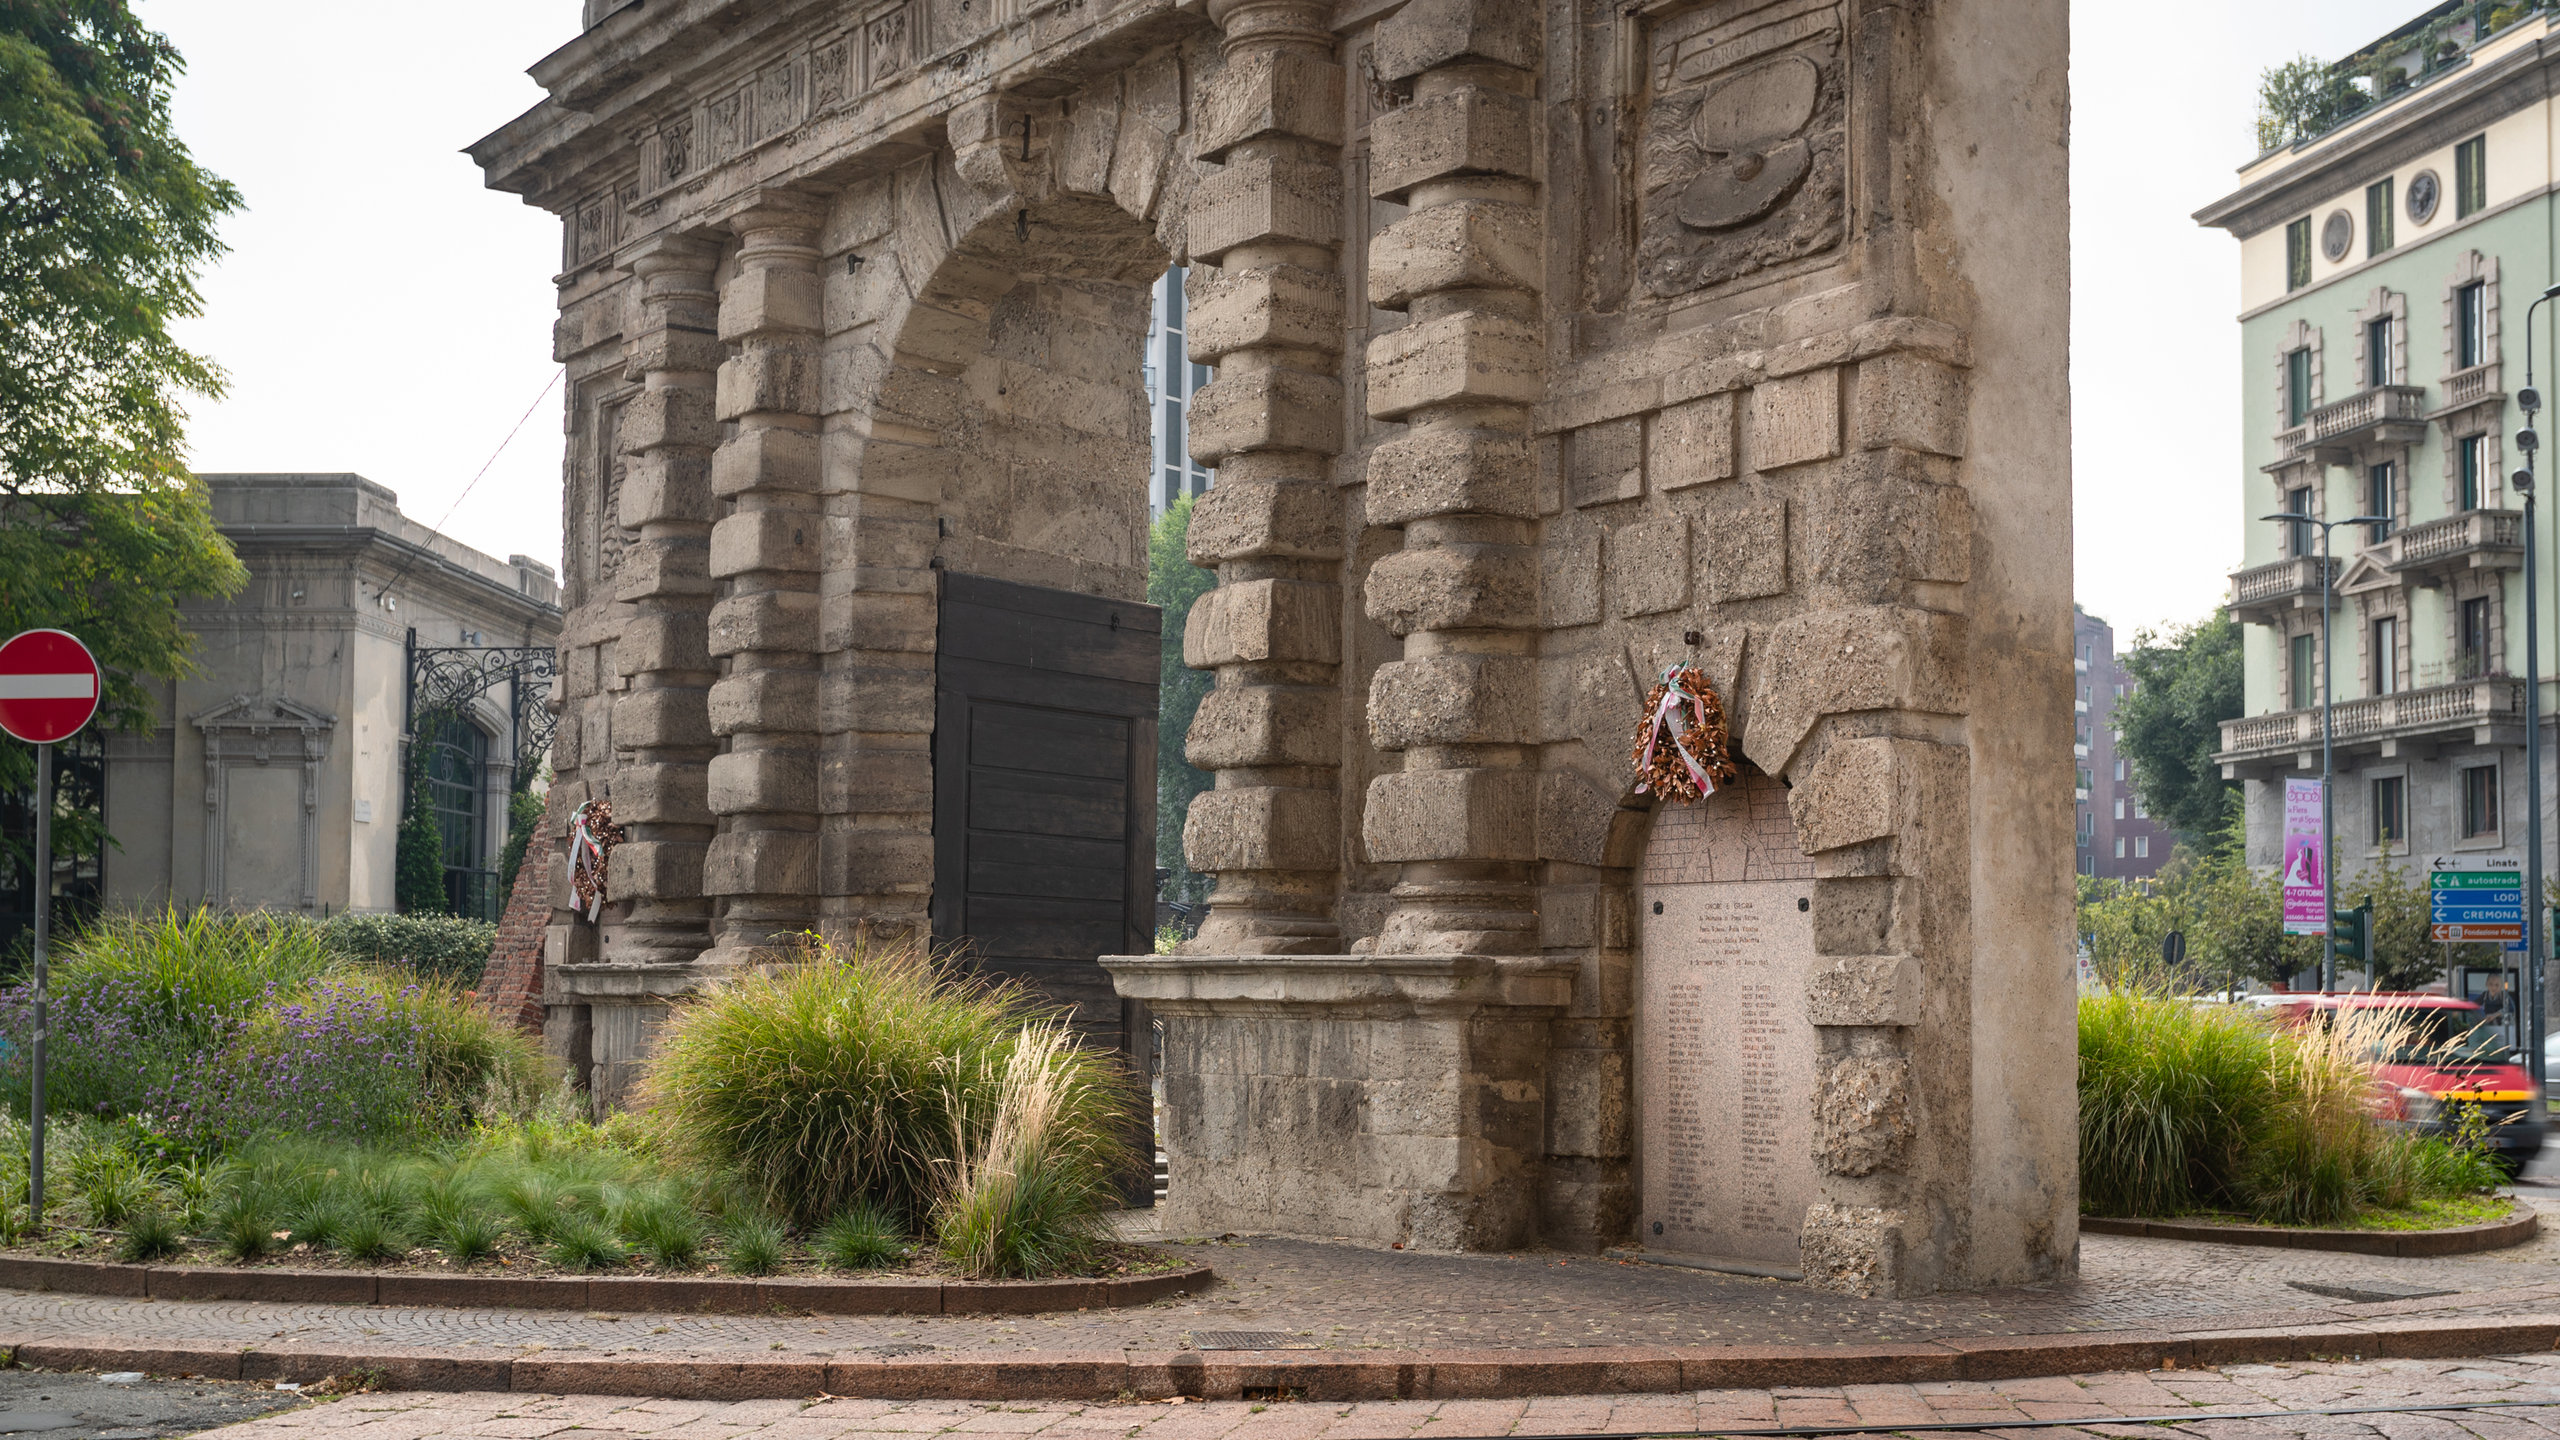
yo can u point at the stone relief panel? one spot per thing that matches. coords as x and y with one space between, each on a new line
1744 141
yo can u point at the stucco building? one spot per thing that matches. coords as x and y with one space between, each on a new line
2118 840
274 778
2385 270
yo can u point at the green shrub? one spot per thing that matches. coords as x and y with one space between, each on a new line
369 1235
1030 1200
151 1234
580 1242
465 1235
192 971
862 1238
752 1245
666 1230
449 948
242 1230
852 1076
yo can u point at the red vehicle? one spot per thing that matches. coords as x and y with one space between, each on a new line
2450 1055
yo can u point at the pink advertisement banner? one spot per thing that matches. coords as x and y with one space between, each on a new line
2306 891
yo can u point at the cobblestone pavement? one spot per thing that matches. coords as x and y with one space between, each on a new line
2531 1379
1349 1297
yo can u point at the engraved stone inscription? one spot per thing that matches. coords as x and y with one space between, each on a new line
1725 1055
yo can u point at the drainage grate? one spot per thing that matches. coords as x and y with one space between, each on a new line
893 1352
1249 1340
2370 1290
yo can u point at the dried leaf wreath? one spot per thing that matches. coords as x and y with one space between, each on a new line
1683 749
592 836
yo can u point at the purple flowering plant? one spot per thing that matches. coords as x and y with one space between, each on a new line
341 1060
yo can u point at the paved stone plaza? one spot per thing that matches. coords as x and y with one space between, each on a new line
2532 1379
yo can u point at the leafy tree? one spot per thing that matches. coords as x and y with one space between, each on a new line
105 221
2304 97
1173 583
417 879
2186 683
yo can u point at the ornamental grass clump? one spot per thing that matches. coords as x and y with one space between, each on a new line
1027 1199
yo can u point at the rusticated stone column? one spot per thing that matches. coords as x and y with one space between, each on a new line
663 656
1461 817
763 865
1270 317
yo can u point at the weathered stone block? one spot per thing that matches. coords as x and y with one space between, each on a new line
654 418
665 485
1569 580
1471 814
1795 419
1864 990
1252 519
1453 700
664 350
661 795
1264 620
1607 462
765 701
1277 409
1283 305
1862 1120
1692 443
1574 818
1649 566
770 375
1271 92
1262 200
1471 357
655 870
1746 551
895 470
871 620
1874 788
745 782
1467 132
662 642
1854 1249
1837 662
769 620
1239 725
1911 403
761 862
1448 472
661 719
765 458
765 301
753 541
1263 827
1454 587
878 699
1468 245
877 861
1885 521
1429 33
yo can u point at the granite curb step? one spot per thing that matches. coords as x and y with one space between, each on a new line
2516 1229
665 1295
1310 1375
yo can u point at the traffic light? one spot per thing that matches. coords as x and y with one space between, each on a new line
2351 939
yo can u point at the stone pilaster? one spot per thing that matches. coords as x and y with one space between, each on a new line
762 867
1269 316
661 719
1464 264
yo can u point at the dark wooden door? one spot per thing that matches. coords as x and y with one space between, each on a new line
1044 794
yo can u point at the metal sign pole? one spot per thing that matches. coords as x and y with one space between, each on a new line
44 917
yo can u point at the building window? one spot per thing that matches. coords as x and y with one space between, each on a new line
2471 470
2377 217
2119 847
2386 654
456 758
2084 776
2471 325
2119 770
2471 637
2297 254
1172 380
2088 826
2088 866
2298 537
2303 678
2479 801
2470 178
2119 809
2381 497
2377 353
2297 385
2141 847
2390 817
2140 810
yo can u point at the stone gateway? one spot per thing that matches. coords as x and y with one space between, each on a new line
1546 337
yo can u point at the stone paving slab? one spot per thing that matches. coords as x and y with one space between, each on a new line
2533 1379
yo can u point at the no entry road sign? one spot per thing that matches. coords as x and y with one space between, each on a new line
48 686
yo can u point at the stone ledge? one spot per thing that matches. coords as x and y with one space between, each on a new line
1348 1375
1380 984
670 1295
2459 1240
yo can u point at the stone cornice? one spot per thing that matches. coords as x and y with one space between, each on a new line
417 563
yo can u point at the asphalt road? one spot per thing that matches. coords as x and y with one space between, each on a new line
61 1406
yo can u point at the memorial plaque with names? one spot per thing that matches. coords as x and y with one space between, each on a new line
1724 1054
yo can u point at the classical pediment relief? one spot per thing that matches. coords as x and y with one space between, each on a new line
264 714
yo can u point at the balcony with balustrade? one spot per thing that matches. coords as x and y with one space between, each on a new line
2464 389
2432 552
2335 433
2262 594
2488 710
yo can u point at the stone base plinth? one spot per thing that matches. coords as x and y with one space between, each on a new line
600 1020
1386 1099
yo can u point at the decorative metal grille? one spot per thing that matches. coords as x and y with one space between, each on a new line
449 677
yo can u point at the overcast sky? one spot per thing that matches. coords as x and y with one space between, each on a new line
382 313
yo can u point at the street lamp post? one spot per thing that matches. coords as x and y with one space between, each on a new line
2529 401
2328 818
